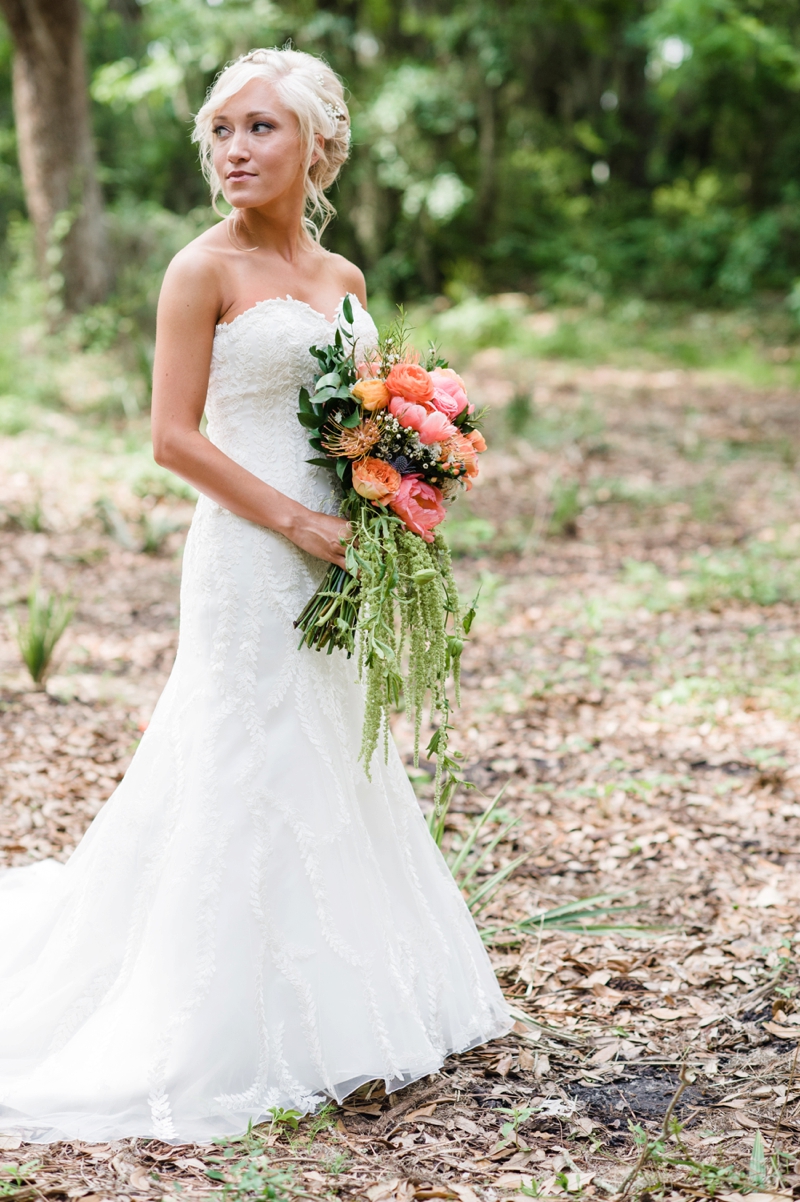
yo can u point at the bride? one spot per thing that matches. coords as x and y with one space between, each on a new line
249 922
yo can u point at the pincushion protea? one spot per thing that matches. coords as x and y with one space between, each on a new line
352 444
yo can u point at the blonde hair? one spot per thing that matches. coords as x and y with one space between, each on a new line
314 93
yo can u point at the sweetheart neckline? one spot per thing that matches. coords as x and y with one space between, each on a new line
291 300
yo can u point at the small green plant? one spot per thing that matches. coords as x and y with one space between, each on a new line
156 529
278 1117
15 1177
757 1169
48 617
113 522
509 1132
28 515
565 508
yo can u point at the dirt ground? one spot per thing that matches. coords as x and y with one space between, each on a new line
632 681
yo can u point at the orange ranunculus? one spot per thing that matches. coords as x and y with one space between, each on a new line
376 480
411 382
477 440
419 505
372 395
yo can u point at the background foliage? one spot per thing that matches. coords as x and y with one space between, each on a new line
570 148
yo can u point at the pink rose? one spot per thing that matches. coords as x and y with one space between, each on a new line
419 505
435 428
449 392
409 415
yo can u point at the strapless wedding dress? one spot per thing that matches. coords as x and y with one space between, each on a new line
249 922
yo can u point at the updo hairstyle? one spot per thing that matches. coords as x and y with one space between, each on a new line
313 92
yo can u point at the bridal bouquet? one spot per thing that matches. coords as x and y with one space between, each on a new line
402 440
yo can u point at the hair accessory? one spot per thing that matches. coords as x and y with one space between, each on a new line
334 111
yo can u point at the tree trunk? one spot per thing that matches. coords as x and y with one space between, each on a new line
56 152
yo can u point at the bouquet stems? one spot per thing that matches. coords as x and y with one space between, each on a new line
330 617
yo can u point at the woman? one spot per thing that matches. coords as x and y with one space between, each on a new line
249 922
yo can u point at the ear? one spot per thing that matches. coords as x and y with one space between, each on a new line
319 143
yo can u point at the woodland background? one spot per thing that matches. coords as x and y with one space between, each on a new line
594 208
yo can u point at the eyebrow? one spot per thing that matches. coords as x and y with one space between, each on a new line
249 116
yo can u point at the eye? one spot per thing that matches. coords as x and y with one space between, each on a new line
219 131
258 126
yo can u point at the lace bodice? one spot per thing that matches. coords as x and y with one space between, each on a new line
261 360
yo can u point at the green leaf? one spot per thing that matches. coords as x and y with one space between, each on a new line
331 463
341 468
757 1170
347 309
310 420
331 380
352 421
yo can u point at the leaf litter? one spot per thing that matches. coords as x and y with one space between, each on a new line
631 682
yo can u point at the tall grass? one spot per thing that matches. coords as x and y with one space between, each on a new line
49 615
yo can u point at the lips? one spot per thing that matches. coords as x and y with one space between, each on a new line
240 175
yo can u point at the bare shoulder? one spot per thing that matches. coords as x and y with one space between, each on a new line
350 277
194 279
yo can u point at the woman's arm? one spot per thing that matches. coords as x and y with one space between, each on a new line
188 308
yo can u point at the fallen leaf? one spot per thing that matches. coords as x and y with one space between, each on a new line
541 1065
503 1066
526 1059
465 1124
140 1179
666 1015
604 1054
10 1143
782 1033
769 896
464 1193
396 1190
421 1113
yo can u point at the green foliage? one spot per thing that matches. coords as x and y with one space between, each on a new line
554 146
760 573
48 617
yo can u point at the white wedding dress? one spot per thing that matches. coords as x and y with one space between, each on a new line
249 922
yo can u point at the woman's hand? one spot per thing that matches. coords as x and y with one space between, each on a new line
319 534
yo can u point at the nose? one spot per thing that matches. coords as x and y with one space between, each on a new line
237 147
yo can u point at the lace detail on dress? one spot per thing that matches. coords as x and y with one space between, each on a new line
249 922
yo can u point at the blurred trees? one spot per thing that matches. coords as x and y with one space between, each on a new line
569 147
56 153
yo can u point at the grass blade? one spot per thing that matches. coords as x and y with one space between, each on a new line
473 835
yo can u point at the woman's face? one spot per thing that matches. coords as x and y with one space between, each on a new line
257 151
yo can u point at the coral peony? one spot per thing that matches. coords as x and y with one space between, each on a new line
449 393
436 428
372 395
411 382
408 415
376 480
477 440
419 505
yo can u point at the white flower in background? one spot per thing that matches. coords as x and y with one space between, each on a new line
674 51
447 194
442 196
669 53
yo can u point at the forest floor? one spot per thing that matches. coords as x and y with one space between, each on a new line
633 681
